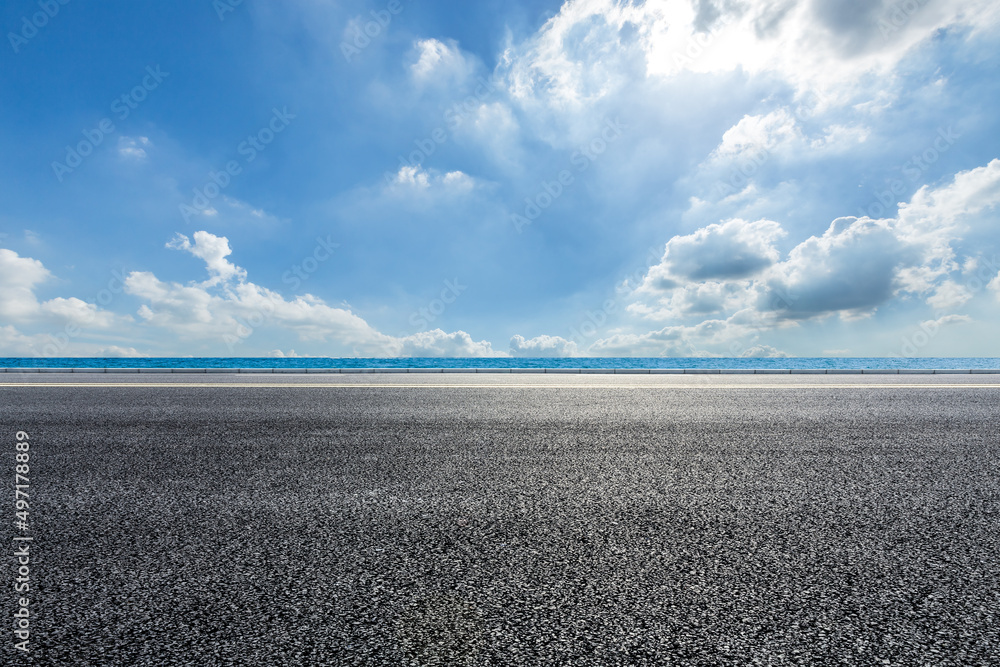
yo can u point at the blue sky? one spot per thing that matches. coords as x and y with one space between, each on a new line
405 178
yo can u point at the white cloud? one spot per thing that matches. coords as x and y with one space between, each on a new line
850 269
756 134
667 342
495 130
118 351
437 343
835 48
754 139
763 352
418 178
18 278
947 319
734 272
706 272
230 312
229 309
14 343
994 286
933 213
733 249
213 250
414 176
949 295
764 144
439 62
457 180
77 312
133 147
542 346
935 217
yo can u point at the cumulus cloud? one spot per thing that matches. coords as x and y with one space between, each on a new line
994 286
57 343
948 295
213 250
761 145
850 269
60 326
763 352
935 218
756 138
229 308
437 343
709 271
735 272
78 312
663 343
291 354
418 178
19 276
19 279
542 346
760 133
674 341
835 48
733 249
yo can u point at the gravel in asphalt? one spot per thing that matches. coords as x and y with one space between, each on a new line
493 525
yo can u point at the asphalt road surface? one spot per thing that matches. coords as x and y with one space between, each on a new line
510 520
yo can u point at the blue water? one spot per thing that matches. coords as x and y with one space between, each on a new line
506 362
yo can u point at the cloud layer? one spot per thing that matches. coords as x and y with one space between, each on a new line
810 176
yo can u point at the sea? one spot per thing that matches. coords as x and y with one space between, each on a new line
509 362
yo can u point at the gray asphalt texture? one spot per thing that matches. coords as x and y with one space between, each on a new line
493 525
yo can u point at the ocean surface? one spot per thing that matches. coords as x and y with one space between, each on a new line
506 362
